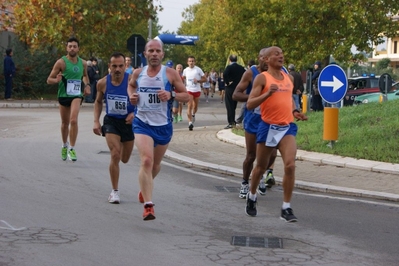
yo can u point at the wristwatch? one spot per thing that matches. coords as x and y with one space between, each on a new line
172 95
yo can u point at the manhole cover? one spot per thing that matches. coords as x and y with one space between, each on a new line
257 242
227 189
38 236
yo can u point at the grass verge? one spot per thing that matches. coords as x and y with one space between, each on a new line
368 131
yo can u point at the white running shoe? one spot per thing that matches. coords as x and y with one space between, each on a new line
114 197
262 186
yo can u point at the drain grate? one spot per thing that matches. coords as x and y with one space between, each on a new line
257 242
104 152
227 189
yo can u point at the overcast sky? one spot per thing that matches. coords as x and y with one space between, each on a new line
170 18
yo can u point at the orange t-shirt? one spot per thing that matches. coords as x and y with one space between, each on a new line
277 109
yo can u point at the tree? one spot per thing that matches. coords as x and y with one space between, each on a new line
383 63
100 25
305 30
6 15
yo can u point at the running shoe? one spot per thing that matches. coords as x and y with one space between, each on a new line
148 213
72 155
140 196
175 119
190 127
244 190
270 181
288 215
262 186
179 118
250 209
114 197
64 153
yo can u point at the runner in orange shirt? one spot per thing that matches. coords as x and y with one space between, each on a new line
272 90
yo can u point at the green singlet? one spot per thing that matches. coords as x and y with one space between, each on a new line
71 83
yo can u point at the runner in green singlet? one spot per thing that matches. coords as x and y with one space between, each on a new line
70 72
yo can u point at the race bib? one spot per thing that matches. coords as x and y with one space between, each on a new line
190 82
275 134
149 100
73 87
117 104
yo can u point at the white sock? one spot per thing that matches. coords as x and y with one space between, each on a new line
286 205
71 147
252 196
66 144
148 202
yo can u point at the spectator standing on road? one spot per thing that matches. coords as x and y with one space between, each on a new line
298 86
221 87
272 90
9 73
232 76
117 122
317 103
251 121
150 89
94 76
193 76
70 72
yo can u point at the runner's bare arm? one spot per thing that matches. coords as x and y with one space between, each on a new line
239 92
256 97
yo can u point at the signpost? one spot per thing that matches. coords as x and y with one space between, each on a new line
135 45
385 84
332 85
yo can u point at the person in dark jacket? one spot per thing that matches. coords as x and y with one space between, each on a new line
232 76
298 86
94 75
9 73
317 104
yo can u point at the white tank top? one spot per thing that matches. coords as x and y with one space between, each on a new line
150 109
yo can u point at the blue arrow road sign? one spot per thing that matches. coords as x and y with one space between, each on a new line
177 39
332 84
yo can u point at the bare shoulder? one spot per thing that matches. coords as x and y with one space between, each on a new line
101 84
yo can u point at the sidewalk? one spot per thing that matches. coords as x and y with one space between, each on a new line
213 149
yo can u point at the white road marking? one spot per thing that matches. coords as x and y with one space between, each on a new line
10 227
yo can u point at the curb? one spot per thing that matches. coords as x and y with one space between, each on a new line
360 164
298 184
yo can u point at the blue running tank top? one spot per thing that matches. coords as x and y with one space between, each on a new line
116 98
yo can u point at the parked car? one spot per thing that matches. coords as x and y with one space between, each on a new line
375 97
360 85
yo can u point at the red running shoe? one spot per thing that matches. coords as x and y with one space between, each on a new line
148 213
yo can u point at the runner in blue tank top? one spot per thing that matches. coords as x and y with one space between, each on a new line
117 125
150 90
251 121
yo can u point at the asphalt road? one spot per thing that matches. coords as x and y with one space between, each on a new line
56 213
